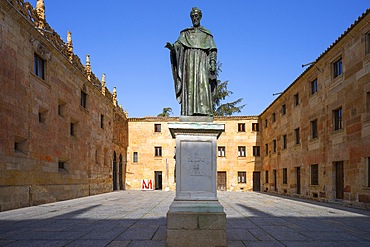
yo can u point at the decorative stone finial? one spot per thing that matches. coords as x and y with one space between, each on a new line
88 67
40 10
103 84
114 96
69 46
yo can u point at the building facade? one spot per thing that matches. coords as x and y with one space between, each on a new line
316 134
151 153
59 124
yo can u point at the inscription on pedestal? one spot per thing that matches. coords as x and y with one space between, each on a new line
196 167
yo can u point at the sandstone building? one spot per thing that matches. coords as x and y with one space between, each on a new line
62 134
312 142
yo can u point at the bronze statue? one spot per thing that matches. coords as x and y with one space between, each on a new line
193 60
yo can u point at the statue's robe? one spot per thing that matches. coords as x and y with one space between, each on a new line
190 60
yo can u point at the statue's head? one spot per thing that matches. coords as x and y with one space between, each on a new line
196 16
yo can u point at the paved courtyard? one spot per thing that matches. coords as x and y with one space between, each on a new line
137 218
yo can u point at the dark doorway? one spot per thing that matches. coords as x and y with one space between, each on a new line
339 180
120 179
256 181
298 174
114 171
221 181
275 180
158 180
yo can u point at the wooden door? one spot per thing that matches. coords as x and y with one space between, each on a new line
256 181
221 181
298 174
339 180
158 180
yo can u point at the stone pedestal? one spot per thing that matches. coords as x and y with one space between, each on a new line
196 218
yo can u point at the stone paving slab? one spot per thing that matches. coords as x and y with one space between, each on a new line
138 218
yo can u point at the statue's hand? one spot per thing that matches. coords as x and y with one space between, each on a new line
169 46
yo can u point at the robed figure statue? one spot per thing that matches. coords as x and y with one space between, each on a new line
193 60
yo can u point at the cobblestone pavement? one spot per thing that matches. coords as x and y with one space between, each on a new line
137 218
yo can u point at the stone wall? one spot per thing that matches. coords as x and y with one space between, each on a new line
143 139
51 146
349 144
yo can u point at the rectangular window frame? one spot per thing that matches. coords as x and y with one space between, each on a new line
283 109
241 151
273 117
337 67
242 177
297 136
39 66
102 121
338 119
274 147
285 175
313 87
314 171
135 157
266 176
221 151
256 151
296 99
157 128
157 151
255 127
284 142
314 130
83 102
267 149
241 127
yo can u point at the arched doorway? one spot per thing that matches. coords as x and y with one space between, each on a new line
120 173
115 187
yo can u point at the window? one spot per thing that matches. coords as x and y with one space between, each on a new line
255 126
267 149
367 44
368 104
274 146
285 176
72 129
337 119
135 157
273 117
102 121
42 116
368 172
284 140
256 151
337 68
158 151
283 109
241 151
221 151
83 99
241 127
315 174
296 99
242 177
314 133
313 86
157 128
20 145
39 67
297 136
265 123
61 165
266 177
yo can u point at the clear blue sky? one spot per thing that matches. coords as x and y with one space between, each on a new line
261 44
